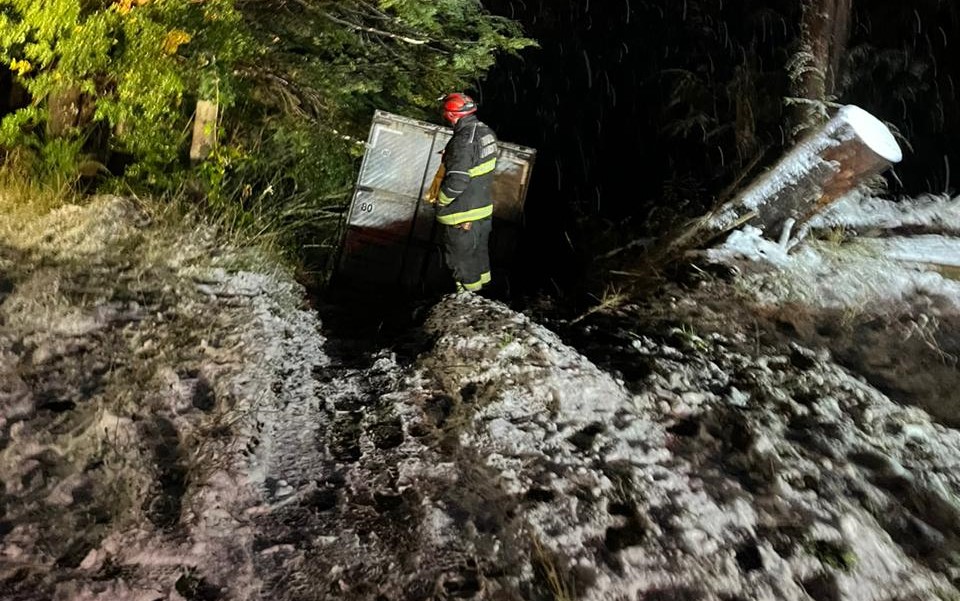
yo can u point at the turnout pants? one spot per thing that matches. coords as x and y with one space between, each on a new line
467 253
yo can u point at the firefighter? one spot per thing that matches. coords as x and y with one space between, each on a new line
463 197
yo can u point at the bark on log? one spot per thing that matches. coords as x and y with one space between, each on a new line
204 130
820 169
825 31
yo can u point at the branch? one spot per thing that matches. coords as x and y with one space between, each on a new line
379 32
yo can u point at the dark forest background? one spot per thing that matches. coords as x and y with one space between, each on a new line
647 112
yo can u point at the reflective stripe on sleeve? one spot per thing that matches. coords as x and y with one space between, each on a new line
484 168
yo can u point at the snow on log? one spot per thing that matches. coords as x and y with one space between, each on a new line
935 251
927 214
823 167
820 169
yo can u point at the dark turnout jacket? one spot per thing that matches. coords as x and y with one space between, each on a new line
469 159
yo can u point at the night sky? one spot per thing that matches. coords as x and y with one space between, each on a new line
645 112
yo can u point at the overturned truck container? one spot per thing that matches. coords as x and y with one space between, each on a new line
391 240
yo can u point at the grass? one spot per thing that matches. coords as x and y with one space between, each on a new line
951 272
688 336
613 297
273 224
832 554
24 203
925 328
836 236
559 583
272 227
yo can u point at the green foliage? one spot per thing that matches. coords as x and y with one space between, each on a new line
688 337
136 60
255 200
295 82
340 60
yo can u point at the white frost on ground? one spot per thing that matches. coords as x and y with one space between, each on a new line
721 476
130 387
861 272
723 468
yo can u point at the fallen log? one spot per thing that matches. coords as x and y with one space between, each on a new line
929 250
823 167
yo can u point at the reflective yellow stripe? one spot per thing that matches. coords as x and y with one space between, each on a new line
465 216
484 168
474 286
443 199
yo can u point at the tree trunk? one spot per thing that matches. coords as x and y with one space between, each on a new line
204 130
830 162
826 30
745 124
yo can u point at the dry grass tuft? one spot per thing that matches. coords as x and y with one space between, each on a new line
559 583
613 298
23 204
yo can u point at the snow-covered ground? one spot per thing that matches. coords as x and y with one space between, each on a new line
862 264
785 435
178 425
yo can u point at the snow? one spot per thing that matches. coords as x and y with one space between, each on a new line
872 131
806 158
595 470
859 271
857 211
639 509
749 243
938 250
375 477
823 275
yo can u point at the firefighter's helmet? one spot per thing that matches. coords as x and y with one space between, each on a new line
457 105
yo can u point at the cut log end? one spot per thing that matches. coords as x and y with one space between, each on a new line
827 164
872 132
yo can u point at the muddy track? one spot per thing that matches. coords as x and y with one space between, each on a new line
363 479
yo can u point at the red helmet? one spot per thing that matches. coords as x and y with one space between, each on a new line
457 105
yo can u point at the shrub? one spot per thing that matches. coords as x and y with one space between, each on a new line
116 82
